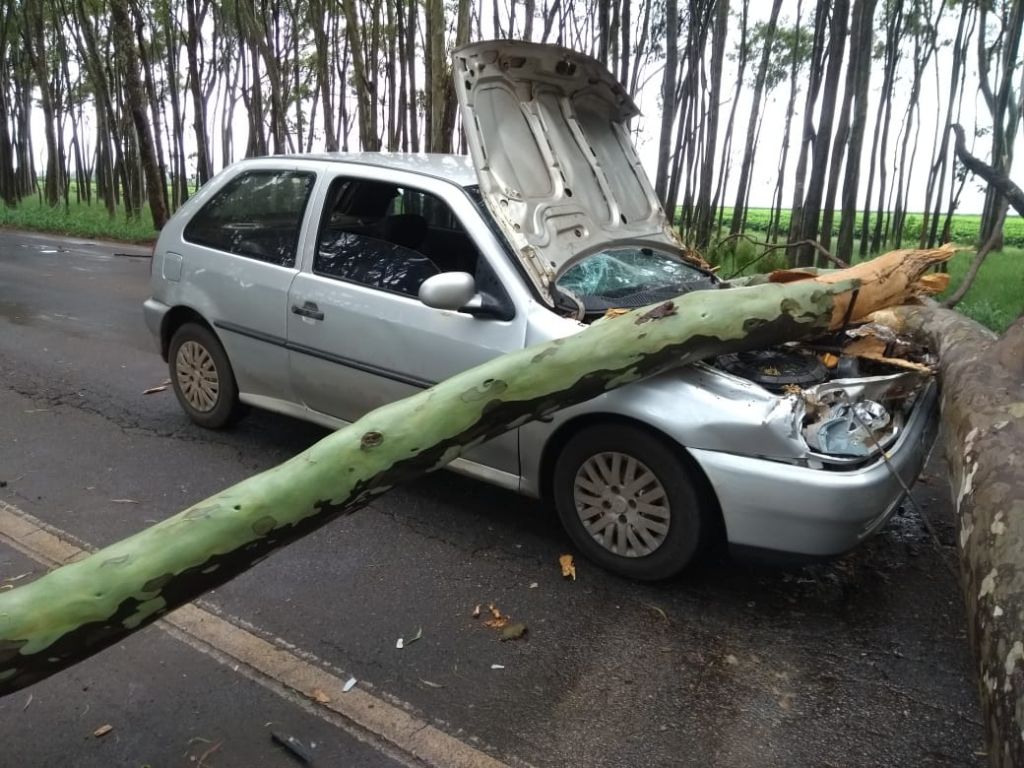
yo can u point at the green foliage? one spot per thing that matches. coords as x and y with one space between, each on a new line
996 298
79 220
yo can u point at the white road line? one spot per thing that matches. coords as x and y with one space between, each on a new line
279 669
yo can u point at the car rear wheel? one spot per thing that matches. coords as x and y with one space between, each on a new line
202 378
625 497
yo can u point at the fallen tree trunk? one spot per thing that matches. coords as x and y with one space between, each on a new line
81 608
983 416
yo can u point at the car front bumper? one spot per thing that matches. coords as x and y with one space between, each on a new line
768 505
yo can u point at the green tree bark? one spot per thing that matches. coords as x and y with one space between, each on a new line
84 607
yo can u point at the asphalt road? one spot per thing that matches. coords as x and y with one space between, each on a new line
860 662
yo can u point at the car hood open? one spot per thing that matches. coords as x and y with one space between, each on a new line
546 129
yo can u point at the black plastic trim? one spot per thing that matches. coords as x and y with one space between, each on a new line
386 373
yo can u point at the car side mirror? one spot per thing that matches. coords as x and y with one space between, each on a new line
456 291
448 290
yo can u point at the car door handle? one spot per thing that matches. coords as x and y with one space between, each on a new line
308 309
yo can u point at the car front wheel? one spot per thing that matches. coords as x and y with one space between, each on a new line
202 378
625 497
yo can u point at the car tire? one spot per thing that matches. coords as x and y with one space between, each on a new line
202 377
626 498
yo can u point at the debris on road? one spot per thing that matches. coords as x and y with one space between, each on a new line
497 621
158 388
123 501
657 610
402 643
19 577
514 632
476 612
568 566
349 684
430 684
293 745
497 666
534 585
103 730
320 697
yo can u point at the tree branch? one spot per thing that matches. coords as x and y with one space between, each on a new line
997 179
769 247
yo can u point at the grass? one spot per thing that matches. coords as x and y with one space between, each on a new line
996 298
79 220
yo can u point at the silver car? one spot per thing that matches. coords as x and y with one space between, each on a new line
324 286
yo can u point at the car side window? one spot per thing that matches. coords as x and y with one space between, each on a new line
257 214
389 237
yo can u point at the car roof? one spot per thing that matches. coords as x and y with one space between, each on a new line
457 169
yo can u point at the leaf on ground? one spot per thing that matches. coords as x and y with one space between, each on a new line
123 501
19 577
103 730
320 697
497 666
496 623
414 638
349 684
476 612
154 390
568 566
494 611
514 632
430 684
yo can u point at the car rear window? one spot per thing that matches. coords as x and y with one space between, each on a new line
257 214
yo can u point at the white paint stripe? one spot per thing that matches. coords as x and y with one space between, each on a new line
291 676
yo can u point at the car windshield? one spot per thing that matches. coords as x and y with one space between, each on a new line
630 277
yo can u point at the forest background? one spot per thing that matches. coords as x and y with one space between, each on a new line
826 123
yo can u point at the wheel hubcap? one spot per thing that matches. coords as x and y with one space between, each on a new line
197 376
622 504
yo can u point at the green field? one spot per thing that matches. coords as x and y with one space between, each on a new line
964 227
78 220
995 300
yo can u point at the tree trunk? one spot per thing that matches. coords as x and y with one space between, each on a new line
81 608
204 162
864 44
755 106
704 216
366 92
808 137
668 103
121 21
815 186
1001 100
983 415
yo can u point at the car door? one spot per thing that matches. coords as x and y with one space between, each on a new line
358 336
237 262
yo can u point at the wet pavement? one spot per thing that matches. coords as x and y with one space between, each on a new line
858 662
